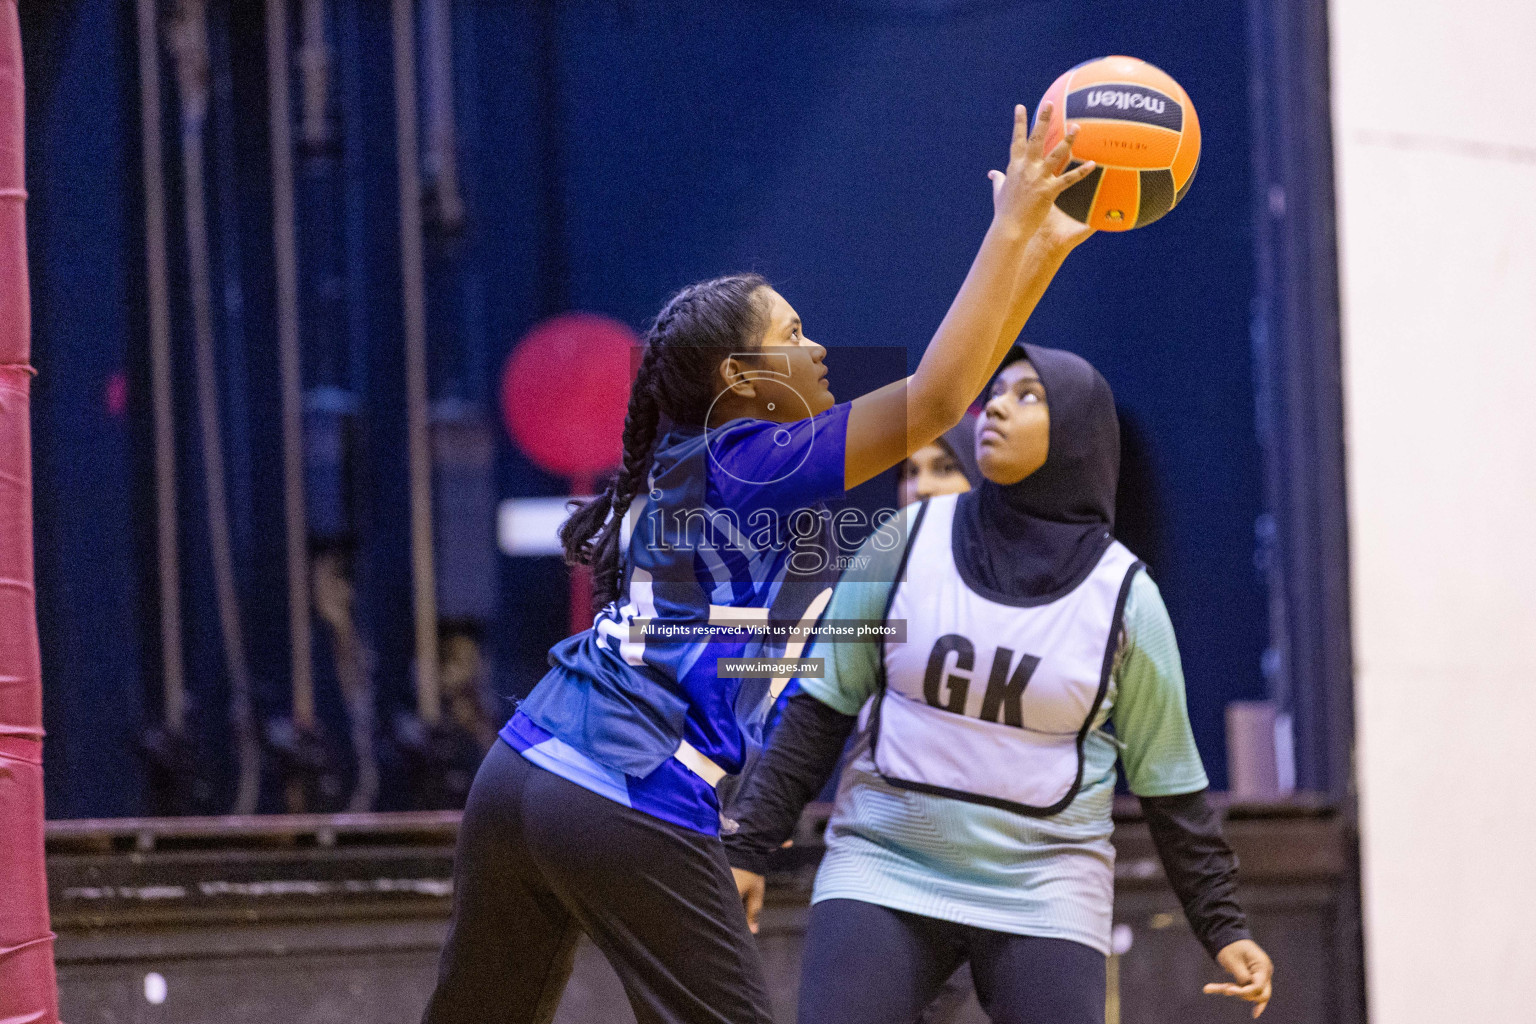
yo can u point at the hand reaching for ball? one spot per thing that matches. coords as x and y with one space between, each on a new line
1024 197
1061 231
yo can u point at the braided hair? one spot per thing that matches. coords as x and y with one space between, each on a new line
697 328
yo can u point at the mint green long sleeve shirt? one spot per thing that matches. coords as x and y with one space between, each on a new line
984 866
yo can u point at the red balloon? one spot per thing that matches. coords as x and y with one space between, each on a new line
564 392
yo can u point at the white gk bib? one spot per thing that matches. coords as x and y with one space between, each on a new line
987 701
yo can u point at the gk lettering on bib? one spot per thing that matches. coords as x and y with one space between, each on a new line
991 701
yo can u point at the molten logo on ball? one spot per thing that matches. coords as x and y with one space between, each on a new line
1126 103
1124 100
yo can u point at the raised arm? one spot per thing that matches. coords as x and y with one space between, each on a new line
1012 270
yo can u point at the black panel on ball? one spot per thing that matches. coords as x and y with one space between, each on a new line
1077 201
1157 196
1187 182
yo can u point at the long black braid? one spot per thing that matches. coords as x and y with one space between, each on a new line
695 330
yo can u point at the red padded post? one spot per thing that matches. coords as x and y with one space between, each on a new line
28 991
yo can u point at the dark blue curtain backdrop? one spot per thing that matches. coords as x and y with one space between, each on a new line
610 153
92 546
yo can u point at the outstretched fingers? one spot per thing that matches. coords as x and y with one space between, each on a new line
1020 145
1036 144
1061 153
1067 179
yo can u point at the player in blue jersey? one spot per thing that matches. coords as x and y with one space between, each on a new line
972 822
598 813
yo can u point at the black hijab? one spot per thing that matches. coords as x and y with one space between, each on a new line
1033 541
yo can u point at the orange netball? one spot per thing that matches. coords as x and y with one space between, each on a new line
1139 126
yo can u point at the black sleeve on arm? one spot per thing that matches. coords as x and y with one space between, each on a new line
1200 866
801 755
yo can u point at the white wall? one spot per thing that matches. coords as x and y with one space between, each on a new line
1435 140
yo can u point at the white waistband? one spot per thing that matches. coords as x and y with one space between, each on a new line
700 765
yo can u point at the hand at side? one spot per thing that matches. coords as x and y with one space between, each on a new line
1246 961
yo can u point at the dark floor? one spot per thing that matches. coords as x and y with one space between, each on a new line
311 920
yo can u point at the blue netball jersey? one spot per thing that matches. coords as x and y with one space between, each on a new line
714 539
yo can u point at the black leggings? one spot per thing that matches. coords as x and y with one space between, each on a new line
541 860
867 964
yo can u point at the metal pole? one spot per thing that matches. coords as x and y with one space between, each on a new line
413 282
285 262
161 400
189 40
314 62
441 156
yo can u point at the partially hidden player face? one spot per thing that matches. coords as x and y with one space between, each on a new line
930 471
781 377
1013 435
